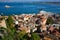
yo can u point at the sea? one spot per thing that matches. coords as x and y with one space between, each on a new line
28 8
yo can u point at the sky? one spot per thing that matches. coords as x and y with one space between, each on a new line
29 0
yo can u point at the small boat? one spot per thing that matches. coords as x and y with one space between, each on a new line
7 6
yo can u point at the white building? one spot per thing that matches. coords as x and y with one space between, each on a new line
2 23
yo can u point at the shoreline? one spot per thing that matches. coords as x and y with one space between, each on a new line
50 13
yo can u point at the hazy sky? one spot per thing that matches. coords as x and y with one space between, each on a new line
29 0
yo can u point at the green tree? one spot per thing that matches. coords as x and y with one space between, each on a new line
35 36
21 35
9 21
49 21
3 31
11 31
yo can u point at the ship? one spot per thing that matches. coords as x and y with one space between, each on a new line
7 6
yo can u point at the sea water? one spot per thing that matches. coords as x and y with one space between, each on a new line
19 8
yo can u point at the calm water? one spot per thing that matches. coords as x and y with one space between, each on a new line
19 8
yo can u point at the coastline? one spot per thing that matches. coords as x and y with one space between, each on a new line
28 8
29 19
44 12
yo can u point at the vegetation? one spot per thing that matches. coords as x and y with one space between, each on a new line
10 29
34 36
12 34
49 21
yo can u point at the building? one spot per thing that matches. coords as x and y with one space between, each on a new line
43 20
2 23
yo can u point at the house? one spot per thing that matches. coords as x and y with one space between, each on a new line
2 23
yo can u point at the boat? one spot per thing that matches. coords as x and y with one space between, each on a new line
7 6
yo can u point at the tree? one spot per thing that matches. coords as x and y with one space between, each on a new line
49 21
9 21
35 36
21 35
3 32
11 31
